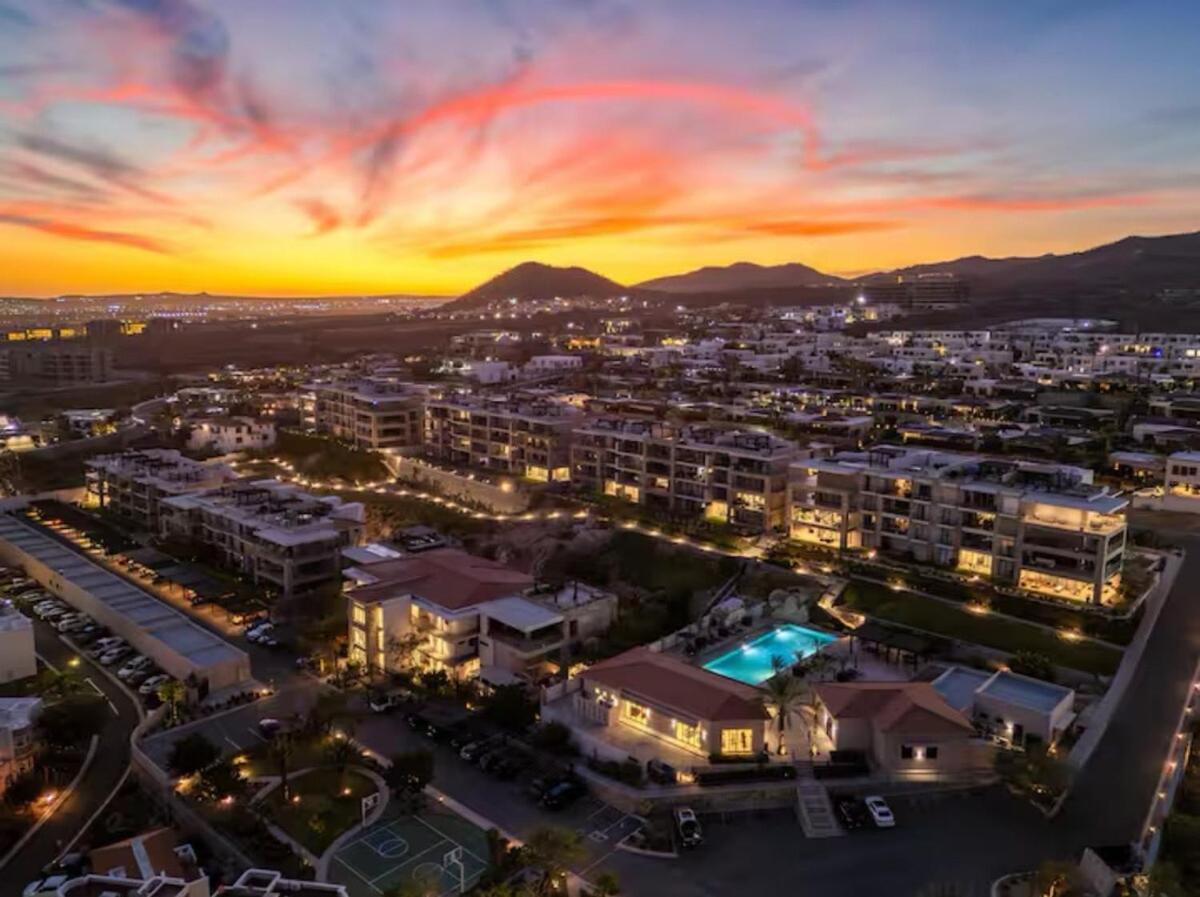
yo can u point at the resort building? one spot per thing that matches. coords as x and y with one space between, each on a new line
1042 527
728 475
521 435
644 702
274 533
445 609
134 484
224 435
371 414
1016 708
905 729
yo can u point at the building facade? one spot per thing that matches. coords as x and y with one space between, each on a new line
370 414
134 484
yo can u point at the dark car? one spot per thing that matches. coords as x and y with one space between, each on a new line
490 758
562 795
851 813
473 750
537 787
508 767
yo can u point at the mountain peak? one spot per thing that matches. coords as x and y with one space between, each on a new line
741 276
538 281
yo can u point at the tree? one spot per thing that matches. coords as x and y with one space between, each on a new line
410 771
435 681
219 780
509 707
400 649
1057 879
329 707
53 683
551 852
340 754
782 693
281 750
72 721
192 754
23 790
607 885
1165 881
172 693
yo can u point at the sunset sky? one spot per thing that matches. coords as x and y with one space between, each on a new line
371 146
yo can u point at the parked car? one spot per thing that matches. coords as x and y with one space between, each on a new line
113 655
472 750
109 642
881 813
688 826
851 813
383 703
150 686
562 795
137 677
508 766
49 611
69 622
133 666
269 727
422 726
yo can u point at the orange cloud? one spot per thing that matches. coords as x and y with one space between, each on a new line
79 232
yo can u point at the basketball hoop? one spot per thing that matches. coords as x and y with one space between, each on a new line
368 804
452 862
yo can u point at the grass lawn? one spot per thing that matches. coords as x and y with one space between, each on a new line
321 809
991 631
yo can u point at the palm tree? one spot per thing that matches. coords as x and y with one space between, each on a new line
340 754
59 683
782 694
552 851
172 694
282 749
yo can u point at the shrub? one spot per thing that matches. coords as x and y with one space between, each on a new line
554 737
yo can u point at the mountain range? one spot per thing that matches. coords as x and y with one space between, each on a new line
1133 266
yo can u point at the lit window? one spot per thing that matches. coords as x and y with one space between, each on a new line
687 733
737 741
637 714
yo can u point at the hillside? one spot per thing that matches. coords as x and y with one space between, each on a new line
741 276
533 280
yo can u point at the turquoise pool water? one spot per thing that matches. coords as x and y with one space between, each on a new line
751 662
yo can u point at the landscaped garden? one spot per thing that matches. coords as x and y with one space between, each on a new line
989 630
318 805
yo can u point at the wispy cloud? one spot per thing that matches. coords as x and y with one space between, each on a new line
73 231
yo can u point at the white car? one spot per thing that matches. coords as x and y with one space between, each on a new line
112 656
881 813
53 612
77 622
133 666
150 686
688 826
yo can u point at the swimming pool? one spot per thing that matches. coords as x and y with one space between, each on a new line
751 662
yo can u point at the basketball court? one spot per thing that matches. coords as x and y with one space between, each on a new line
435 845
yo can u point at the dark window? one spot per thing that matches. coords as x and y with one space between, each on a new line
906 752
931 752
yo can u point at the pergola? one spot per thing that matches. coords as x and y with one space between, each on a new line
896 645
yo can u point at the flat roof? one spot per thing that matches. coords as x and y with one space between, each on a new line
1024 691
156 618
958 686
521 613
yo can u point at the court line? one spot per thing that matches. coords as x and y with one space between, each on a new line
411 859
456 843
366 881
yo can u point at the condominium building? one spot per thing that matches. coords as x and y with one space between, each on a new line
467 615
724 474
55 363
272 532
527 436
371 414
17 658
18 741
133 484
1042 527
230 434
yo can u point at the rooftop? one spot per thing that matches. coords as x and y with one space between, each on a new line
447 577
905 707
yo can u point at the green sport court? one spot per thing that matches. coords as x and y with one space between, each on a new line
427 846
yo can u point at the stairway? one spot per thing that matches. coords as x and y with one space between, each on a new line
815 811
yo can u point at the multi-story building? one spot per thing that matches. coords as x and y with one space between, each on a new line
524 436
272 532
17 658
230 434
55 363
133 484
726 474
1042 527
371 414
17 737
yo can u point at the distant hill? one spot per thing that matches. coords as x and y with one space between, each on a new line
1134 264
535 281
741 276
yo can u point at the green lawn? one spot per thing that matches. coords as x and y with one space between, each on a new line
324 804
991 631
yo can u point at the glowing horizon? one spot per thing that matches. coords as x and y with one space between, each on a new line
309 148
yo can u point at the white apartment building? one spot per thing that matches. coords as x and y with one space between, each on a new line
134 484
18 740
225 435
728 475
370 414
275 533
524 436
471 617
1042 527
17 658
539 365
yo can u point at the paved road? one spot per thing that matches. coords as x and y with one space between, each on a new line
1113 792
106 771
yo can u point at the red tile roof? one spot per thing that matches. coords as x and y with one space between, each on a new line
902 707
677 685
447 577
